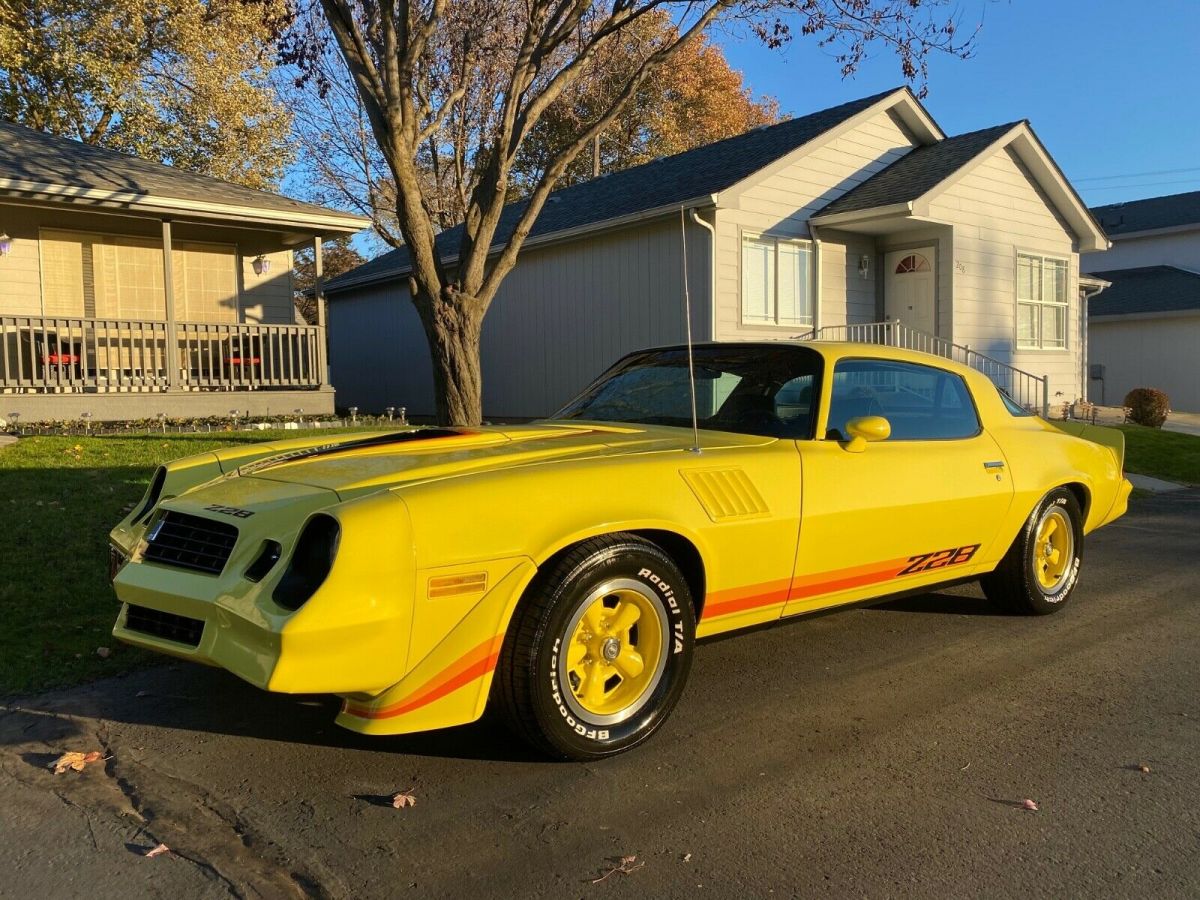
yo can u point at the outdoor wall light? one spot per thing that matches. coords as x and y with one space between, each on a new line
5 244
261 265
864 266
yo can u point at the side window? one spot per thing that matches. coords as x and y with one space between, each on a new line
922 403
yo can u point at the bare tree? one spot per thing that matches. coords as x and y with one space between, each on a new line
452 89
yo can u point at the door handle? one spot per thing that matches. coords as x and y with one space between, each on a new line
993 465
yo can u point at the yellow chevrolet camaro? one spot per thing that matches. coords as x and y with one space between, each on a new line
564 569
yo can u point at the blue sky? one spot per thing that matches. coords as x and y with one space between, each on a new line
1111 87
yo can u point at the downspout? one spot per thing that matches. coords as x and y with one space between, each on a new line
816 260
712 271
1085 295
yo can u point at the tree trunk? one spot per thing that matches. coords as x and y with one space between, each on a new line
453 324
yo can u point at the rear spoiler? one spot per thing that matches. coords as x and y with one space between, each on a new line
1097 434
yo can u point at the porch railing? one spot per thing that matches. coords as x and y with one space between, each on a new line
1029 390
44 354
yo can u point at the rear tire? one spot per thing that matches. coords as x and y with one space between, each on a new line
1039 573
598 650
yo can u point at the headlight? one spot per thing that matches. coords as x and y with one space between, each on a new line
311 561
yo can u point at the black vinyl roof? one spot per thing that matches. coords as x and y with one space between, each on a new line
673 179
1150 289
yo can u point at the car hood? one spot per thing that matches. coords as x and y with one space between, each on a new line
362 464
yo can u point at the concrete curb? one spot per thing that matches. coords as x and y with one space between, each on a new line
1154 485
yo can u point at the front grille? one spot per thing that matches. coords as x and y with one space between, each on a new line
165 625
191 542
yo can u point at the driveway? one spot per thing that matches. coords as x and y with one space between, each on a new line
876 752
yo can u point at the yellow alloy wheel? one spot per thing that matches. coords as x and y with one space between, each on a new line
615 653
1054 549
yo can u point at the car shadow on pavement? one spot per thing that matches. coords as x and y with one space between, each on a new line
946 604
202 700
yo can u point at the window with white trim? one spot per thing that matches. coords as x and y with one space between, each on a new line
775 281
1041 302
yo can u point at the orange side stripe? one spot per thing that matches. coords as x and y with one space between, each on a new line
735 600
467 668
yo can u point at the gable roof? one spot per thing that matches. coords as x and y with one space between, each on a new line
686 178
1150 289
1151 214
38 165
917 172
932 169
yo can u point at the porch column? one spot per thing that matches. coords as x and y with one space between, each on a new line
172 338
319 297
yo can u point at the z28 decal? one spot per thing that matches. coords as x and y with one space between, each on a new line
955 556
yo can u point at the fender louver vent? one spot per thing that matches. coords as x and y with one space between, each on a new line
167 626
191 542
725 493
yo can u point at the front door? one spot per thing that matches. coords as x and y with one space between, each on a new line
908 288
923 506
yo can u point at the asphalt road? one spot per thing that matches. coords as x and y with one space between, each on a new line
879 752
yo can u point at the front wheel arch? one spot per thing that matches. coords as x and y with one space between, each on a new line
681 548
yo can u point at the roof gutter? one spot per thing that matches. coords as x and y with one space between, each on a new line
553 237
333 221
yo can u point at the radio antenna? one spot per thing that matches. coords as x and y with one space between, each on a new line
687 319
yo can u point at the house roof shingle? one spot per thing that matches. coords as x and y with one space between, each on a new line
1150 289
34 157
673 179
1149 214
917 172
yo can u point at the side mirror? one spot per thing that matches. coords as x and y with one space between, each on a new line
866 429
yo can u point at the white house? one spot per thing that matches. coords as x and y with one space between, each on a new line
864 221
1144 330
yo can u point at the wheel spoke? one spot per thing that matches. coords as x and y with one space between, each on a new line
1049 528
593 684
576 652
627 614
1053 557
629 662
593 617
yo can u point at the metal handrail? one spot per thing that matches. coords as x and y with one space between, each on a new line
1029 390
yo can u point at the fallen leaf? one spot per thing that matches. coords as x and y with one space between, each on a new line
142 694
1144 769
687 857
626 867
74 760
158 851
1029 805
402 799
103 652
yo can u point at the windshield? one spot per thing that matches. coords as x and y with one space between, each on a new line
744 388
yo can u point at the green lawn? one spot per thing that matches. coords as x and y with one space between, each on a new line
59 497
1162 454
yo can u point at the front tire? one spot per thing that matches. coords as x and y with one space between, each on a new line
599 649
1039 573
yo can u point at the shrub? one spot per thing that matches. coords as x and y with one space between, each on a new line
1147 406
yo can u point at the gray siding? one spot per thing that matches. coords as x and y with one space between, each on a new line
1154 352
780 203
997 211
562 316
1180 249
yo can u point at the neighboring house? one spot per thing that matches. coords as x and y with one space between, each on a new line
129 289
1145 328
841 224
